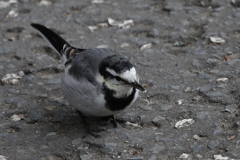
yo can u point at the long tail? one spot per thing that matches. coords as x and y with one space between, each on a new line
61 46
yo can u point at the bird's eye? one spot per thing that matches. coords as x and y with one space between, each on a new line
118 78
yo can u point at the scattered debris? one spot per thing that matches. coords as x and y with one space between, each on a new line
219 157
120 24
92 28
10 78
17 117
180 101
222 80
231 137
184 156
44 3
217 40
12 14
226 58
184 123
134 125
97 1
123 45
146 46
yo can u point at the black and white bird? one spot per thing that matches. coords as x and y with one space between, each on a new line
97 82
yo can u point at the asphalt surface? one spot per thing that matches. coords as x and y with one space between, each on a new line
186 53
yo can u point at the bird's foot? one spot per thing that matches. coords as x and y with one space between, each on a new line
112 120
88 130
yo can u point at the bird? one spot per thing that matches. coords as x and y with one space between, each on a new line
97 81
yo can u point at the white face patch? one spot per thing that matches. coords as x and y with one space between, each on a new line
129 75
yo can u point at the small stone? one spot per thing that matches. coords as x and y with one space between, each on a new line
153 33
176 87
166 107
85 156
213 61
15 117
145 46
135 158
110 146
199 52
188 89
2 157
156 149
196 63
217 40
144 107
34 116
52 134
222 80
158 121
184 123
53 82
175 150
76 142
206 88
153 157
10 78
213 144
196 137
102 46
198 148
203 115
232 62
135 141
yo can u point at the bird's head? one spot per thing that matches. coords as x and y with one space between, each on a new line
119 74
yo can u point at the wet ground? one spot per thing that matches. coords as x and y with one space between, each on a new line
186 53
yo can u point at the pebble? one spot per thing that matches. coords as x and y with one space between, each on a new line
153 157
198 148
206 88
213 144
166 107
135 158
134 141
203 115
53 82
156 149
144 107
184 123
86 156
153 33
196 63
110 146
158 120
213 61
222 80
176 150
199 52
34 116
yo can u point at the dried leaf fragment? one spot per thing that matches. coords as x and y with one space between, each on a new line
226 58
231 137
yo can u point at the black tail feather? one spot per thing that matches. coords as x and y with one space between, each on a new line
54 39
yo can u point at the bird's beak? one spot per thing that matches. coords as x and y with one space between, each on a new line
137 86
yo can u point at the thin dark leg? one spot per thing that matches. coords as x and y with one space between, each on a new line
86 126
113 120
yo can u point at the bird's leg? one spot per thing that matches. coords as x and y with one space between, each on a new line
87 126
113 120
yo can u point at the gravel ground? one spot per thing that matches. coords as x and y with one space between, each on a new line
187 56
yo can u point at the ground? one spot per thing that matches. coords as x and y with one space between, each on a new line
186 53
